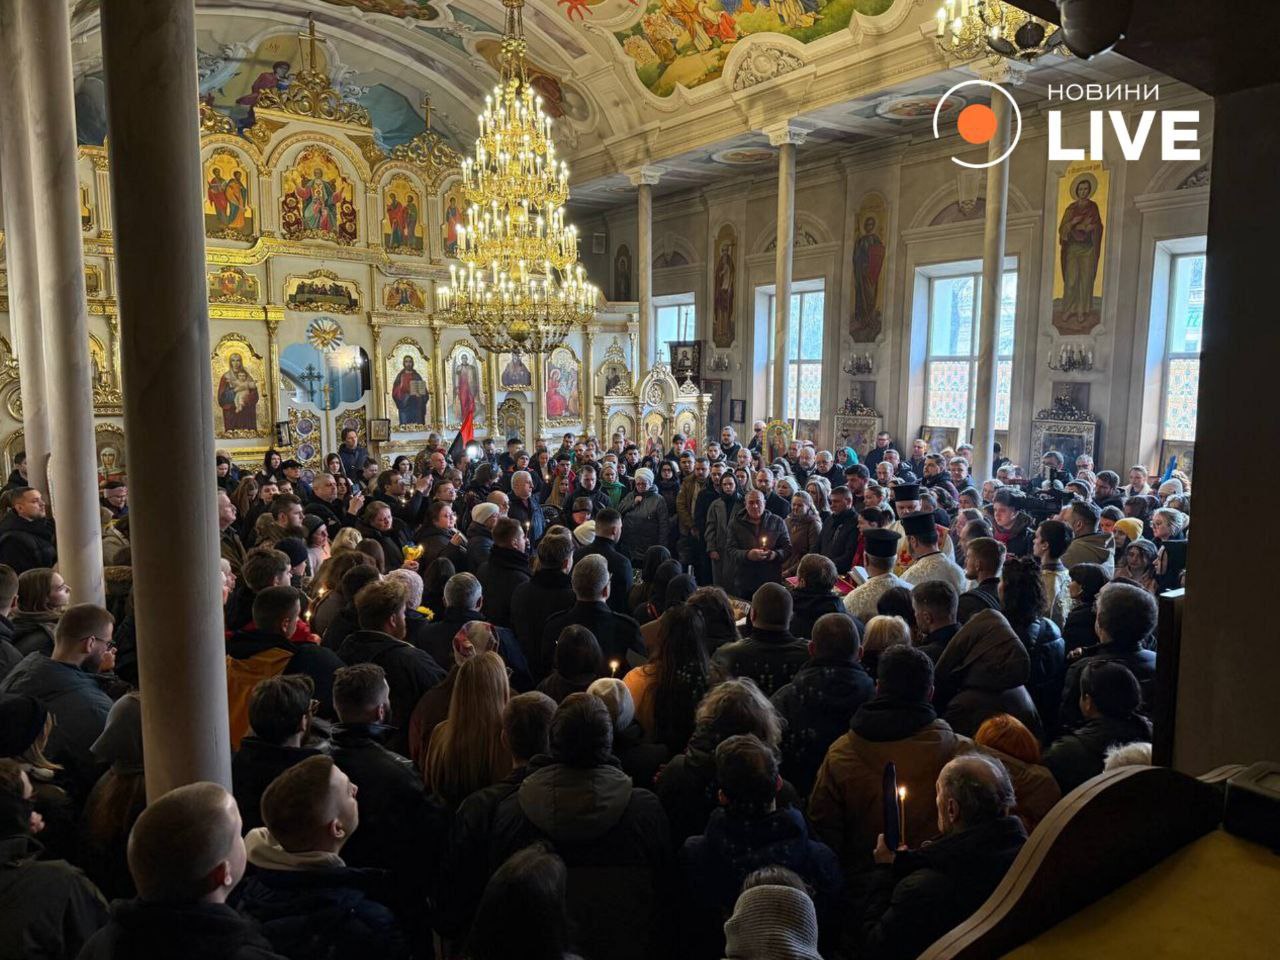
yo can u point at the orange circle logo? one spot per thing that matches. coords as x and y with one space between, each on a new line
976 123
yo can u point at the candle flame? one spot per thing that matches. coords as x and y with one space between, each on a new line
902 793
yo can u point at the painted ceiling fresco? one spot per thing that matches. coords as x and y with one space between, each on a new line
685 42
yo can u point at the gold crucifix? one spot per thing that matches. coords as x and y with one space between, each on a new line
311 38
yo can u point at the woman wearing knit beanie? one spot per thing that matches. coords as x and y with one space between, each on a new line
773 920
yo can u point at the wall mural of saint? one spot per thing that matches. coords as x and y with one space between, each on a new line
402 218
563 397
622 274
464 372
1077 279
516 374
228 214
410 394
317 201
238 396
869 253
454 217
722 325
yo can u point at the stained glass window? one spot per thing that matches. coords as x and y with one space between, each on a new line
1186 327
955 304
805 334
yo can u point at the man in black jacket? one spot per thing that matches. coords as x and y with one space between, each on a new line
918 895
410 672
613 838
26 534
608 532
935 602
186 856
280 717
463 602
301 890
545 594
323 502
618 635
589 487
479 533
765 483
526 508
1126 617
49 907
506 568
839 537
814 594
526 730
822 698
771 656
401 828
983 561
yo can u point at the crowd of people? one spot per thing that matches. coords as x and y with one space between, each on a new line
585 701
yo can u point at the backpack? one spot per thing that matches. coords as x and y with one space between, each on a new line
242 677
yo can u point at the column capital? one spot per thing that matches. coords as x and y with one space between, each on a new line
785 132
1001 70
648 175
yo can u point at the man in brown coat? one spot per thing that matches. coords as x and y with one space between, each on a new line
846 807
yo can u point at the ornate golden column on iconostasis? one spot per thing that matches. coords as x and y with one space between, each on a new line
588 381
437 363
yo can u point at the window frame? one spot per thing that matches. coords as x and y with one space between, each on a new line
1185 250
800 291
678 301
972 269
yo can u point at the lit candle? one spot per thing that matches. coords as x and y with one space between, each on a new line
613 667
902 816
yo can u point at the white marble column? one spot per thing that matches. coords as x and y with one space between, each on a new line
149 55
997 201
20 248
588 381
644 181
44 33
786 139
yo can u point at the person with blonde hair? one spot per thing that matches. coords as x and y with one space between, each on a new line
472 639
467 752
882 633
347 540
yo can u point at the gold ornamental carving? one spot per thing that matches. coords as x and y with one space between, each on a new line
211 121
310 92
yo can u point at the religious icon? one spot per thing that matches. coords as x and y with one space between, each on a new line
321 290
516 375
227 212
403 295
622 274
1077 281
317 201
232 285
238 396
868 267
777 438
722 327
655 428
410 393
453 219
465 377
402 221
109 442
562 397
241 380
612 378
686 360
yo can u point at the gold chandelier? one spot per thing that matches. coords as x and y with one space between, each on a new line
970 28
520 286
